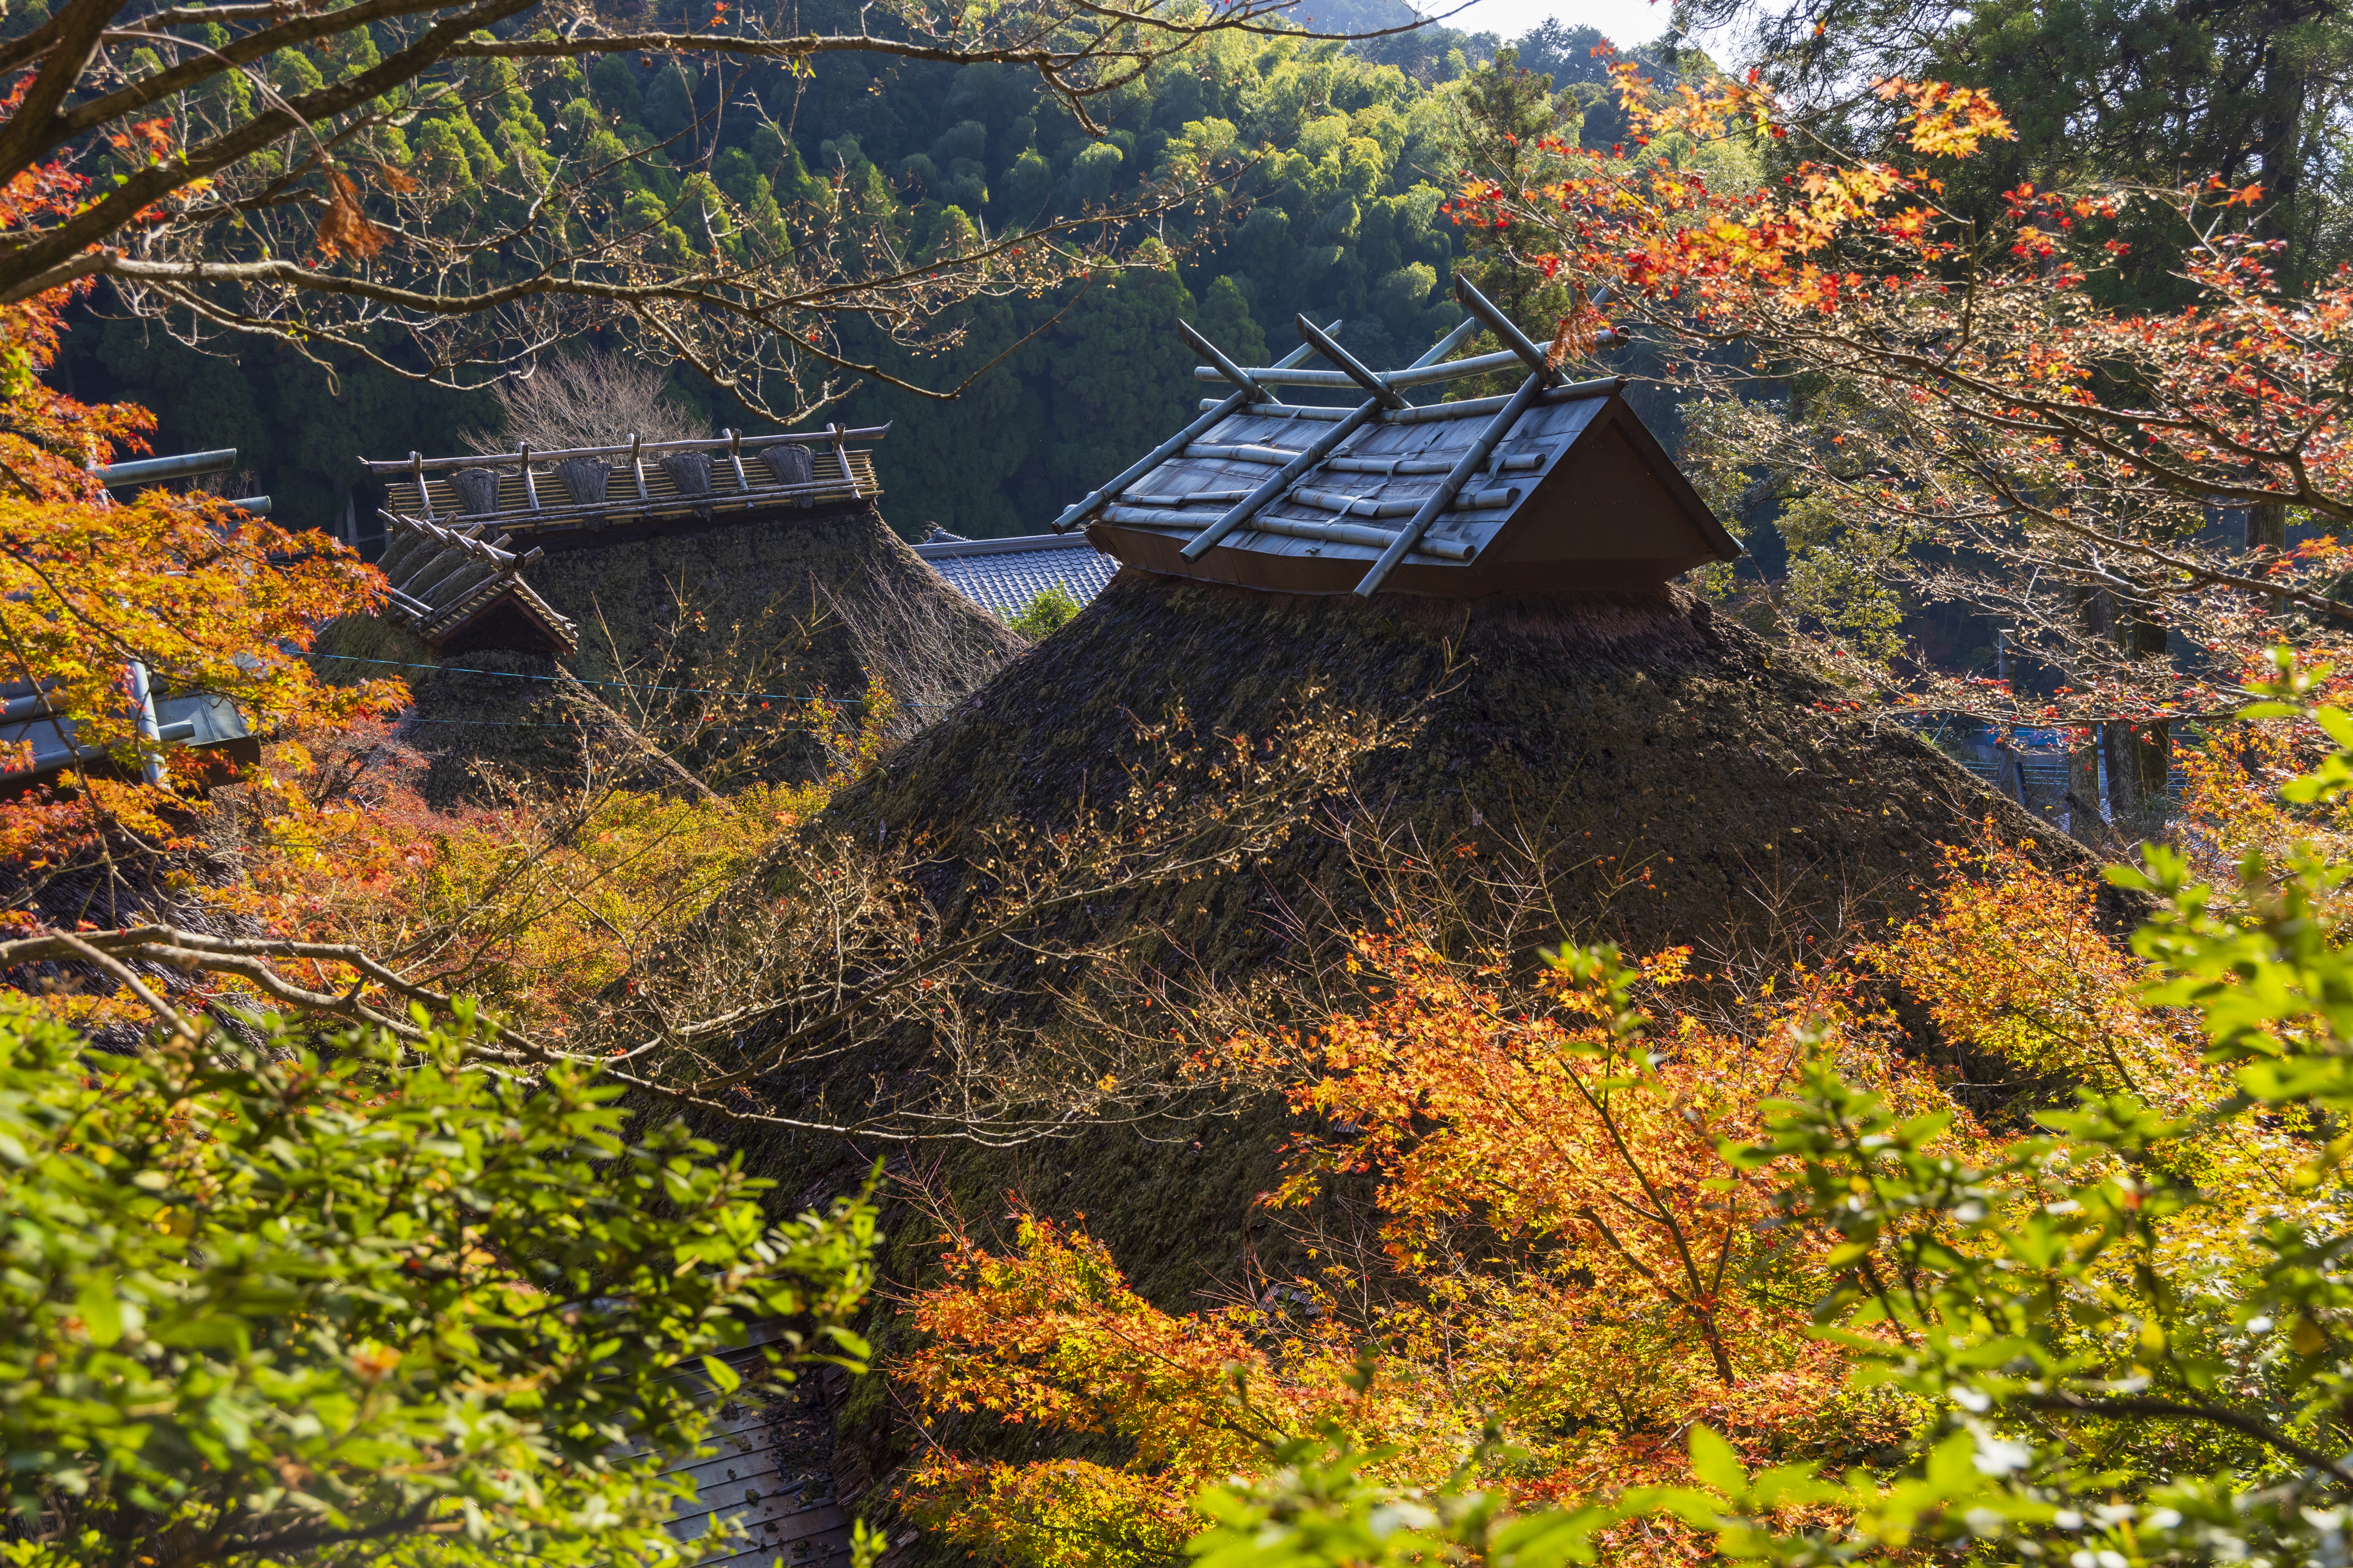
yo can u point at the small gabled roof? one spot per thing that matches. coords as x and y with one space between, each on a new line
1554 486
460 593
1003 575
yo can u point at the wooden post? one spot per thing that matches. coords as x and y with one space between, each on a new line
735 456
841 456
637 463
529 488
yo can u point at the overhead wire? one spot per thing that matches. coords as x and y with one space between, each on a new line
623 685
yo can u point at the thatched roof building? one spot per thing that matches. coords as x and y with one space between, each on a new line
1679 780
1660 775
539 593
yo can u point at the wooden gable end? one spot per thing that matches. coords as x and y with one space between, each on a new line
1613 513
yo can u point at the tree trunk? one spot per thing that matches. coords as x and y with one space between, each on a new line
2086 801
2084 812
2284 86
2140 755
2267 528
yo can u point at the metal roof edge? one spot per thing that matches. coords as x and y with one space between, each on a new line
947 549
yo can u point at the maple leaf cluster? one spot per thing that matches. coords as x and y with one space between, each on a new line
1944 404
209 598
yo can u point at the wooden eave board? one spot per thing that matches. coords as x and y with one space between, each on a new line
554 634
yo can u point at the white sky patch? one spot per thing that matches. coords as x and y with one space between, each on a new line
1624 22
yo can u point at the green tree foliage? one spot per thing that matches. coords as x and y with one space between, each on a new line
1343 221
266 1305
1045 615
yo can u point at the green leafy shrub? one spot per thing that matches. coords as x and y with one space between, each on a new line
262 1305
1047 614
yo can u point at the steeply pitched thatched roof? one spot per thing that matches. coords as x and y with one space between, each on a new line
1637 730
1680 780
805 603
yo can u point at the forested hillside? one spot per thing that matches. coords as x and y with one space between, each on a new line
1335 160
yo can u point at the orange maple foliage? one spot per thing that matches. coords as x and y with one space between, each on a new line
1978 394
208 598
1565 1252
2018 962
532 907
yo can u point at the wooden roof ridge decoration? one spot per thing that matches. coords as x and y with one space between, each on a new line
1554 486
580 490
458 592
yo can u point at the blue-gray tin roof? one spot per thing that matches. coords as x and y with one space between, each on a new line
1002 576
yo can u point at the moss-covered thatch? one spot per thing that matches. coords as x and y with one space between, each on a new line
800 604
1691 787
1663 739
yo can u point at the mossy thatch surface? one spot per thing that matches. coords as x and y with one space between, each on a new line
1639 727
805 605
1622 735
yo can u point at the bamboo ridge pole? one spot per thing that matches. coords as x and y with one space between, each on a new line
1542 376
1099 498
1357 371
1226 367
1397 380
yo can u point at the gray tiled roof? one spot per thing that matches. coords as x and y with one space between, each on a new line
35 741
1002 576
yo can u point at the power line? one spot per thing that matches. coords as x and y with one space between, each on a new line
698 690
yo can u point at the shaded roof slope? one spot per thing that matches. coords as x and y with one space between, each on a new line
805 603
1683 783
1639 724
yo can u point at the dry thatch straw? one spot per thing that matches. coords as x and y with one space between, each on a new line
810 604
592 399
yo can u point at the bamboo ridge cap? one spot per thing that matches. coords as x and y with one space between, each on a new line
825 438
1575 392
1276 375
1295 528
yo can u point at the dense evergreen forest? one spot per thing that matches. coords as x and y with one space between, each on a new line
1340 155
